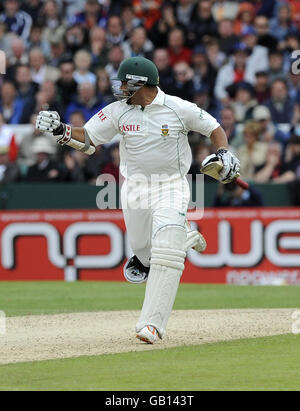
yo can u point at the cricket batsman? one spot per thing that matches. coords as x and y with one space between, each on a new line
155 158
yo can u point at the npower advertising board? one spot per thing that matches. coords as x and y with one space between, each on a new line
245 246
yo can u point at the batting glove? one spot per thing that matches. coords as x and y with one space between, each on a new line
231 165
50 121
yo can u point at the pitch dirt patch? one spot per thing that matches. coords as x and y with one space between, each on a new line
46 337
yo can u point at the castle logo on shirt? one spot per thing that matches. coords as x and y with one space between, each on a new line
165 130
130 127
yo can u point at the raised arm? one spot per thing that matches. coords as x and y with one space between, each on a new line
100 129
75 137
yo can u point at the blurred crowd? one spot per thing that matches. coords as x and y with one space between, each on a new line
235 59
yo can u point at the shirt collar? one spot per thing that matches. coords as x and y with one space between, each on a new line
159 98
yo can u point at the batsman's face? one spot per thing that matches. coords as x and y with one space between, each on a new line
124 88
124 91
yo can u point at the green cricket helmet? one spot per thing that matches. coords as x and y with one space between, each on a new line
136 71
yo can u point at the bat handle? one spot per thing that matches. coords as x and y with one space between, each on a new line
242 183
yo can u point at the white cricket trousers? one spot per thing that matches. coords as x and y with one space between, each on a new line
149 206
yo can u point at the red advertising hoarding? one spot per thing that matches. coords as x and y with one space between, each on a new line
245 246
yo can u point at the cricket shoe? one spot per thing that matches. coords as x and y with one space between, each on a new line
135 272
147 334
195 240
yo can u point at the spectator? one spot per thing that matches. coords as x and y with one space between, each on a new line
71 172
202 23
183 86
40 71
115 34
282 24
183 12
9 172
269 132
66 85
112 167
18 53
177 51
11 106
33 8
227 38
26 155
52 21
291 167
16 20
261 87
138 44
265 38
243 101
245 17
58 53
233 72
94 14
44 169
98 47
228 122
276 68
82 73
258 58
86 102
148 11
166 75
159 32
232 195
216 57
253 152
280 105
25 86
36 41
75 38
104 92
115 56
272 168
77 119
46 99
129 19
204 73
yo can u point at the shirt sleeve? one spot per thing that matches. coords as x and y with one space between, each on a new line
199 120
101 128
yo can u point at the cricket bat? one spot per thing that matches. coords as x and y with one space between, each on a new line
212 166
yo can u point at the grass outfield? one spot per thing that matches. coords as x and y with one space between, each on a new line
33 298
270 363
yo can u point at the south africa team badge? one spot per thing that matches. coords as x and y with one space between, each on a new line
165 130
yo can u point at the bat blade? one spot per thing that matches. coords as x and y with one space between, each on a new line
213 169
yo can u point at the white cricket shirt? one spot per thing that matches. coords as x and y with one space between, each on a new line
154 139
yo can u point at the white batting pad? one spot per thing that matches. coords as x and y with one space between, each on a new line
166 267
